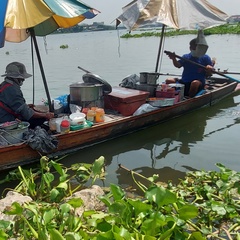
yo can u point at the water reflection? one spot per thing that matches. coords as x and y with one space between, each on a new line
125 178
165 149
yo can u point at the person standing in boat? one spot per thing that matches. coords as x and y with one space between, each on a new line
12 103
193 76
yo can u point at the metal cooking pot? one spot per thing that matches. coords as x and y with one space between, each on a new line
149 78
152 78
143 77
85 92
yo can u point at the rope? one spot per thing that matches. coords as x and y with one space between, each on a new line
118 35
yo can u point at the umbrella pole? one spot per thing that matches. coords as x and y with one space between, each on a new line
41 69
160 47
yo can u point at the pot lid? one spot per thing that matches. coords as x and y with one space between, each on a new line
95 79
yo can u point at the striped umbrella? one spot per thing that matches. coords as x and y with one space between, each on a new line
43 16
20 19
3 8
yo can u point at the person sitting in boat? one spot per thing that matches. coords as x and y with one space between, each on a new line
12 103
193 76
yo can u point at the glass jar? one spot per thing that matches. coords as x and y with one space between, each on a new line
65 126
91 115
100 115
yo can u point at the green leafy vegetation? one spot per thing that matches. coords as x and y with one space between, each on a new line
64 46
223 29
204 205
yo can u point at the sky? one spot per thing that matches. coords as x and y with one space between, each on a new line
111 9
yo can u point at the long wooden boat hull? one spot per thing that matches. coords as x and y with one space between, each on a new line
20 154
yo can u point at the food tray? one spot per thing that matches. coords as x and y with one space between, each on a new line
9 125
161 102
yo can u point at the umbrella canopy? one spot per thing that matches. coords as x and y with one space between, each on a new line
44 16
178 14
3 8
20 19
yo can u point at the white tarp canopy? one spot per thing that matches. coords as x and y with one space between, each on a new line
178 14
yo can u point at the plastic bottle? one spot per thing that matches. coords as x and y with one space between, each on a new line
52 124
91 115
94 108
100 115
164 87
65 126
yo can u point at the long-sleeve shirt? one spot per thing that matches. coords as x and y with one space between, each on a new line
12 100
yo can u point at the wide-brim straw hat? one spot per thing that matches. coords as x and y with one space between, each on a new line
16 70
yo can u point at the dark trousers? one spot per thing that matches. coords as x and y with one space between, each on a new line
36 122
187 87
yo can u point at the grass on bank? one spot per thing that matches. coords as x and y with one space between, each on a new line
204 205
223 29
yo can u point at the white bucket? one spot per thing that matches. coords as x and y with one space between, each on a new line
143 77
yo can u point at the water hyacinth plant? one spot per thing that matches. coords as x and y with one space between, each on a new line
204 205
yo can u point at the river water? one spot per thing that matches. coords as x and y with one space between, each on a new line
195 141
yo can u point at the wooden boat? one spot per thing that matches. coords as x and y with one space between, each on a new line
116 125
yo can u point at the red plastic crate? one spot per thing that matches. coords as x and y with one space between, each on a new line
124 100
163 94
171 94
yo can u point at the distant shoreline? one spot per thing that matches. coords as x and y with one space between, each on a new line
223 29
